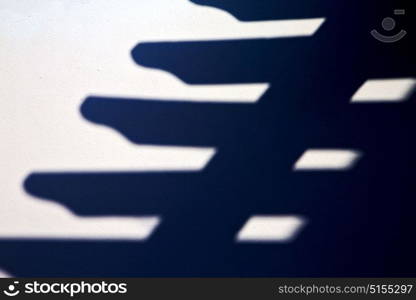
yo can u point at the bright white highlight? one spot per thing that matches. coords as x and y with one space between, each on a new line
270 229
124 158
58 53
91 228
4 274
235 93
327 159
261 29
385 90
